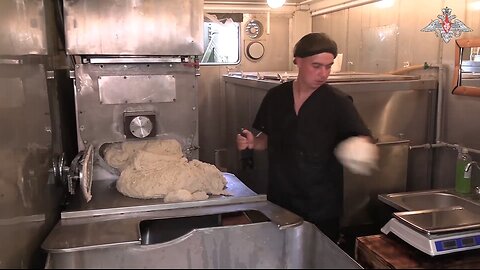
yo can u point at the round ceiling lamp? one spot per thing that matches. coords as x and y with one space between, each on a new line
275 3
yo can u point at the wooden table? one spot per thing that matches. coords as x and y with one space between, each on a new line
381 251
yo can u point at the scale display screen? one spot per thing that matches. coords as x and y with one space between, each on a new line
461 242
449 244
467 242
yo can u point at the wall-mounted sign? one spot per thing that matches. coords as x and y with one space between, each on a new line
446 26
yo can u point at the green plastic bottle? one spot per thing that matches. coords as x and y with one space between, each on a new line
462 178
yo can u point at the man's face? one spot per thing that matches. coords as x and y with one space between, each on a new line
314 70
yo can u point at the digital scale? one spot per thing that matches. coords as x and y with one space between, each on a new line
438 231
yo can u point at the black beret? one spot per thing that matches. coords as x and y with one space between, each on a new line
314 43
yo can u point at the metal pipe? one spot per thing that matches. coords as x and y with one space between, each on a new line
342 6
471 150
238 8
438 123
243 3
306 2
268 23
226 8
442 144
234 3
431 145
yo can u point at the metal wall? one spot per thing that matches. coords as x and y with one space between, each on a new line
375 39
386 39
29 87
23 28
149 27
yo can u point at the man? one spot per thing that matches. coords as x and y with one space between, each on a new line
307 126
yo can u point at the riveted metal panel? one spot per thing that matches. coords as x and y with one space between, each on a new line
148 27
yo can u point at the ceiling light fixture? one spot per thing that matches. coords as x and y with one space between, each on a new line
385 3
275 3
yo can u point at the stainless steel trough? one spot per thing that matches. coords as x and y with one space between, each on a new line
245 231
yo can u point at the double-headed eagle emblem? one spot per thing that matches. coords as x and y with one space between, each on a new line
446 26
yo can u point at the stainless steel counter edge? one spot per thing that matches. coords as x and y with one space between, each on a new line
86 233
157 207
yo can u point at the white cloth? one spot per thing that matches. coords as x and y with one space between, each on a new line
358 155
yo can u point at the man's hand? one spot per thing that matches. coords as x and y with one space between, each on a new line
245 140
358 154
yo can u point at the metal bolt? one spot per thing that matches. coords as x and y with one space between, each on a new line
82 128
194 108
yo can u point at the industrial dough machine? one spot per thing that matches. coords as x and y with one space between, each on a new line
134 79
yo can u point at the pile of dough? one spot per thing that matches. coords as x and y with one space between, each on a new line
159 170
120 155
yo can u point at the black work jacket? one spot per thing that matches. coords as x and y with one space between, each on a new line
304 175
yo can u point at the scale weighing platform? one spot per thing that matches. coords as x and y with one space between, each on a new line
438 231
